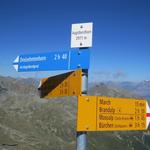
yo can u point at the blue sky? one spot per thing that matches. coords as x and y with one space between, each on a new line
121 38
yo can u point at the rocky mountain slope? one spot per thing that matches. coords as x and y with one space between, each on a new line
30 123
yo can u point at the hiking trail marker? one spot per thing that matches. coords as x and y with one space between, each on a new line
96 113
61 60
81 35
67 84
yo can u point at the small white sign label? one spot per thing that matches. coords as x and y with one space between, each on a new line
81 35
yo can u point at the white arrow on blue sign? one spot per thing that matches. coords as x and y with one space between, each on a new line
62 60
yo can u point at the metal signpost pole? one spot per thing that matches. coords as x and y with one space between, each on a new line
82 136
81 37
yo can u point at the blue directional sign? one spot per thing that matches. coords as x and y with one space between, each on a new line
61 60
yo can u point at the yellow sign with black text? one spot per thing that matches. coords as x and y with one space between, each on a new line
67 84
96 113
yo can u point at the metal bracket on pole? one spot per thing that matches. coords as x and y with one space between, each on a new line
84 81
82 136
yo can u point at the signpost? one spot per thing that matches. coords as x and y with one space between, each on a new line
96 113
67 84
81 35
66 60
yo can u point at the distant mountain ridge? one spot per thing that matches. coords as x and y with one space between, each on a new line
141 89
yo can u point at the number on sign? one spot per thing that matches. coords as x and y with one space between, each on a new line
56 57
59 57
64 56
79 38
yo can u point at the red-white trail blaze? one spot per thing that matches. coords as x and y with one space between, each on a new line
147 115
